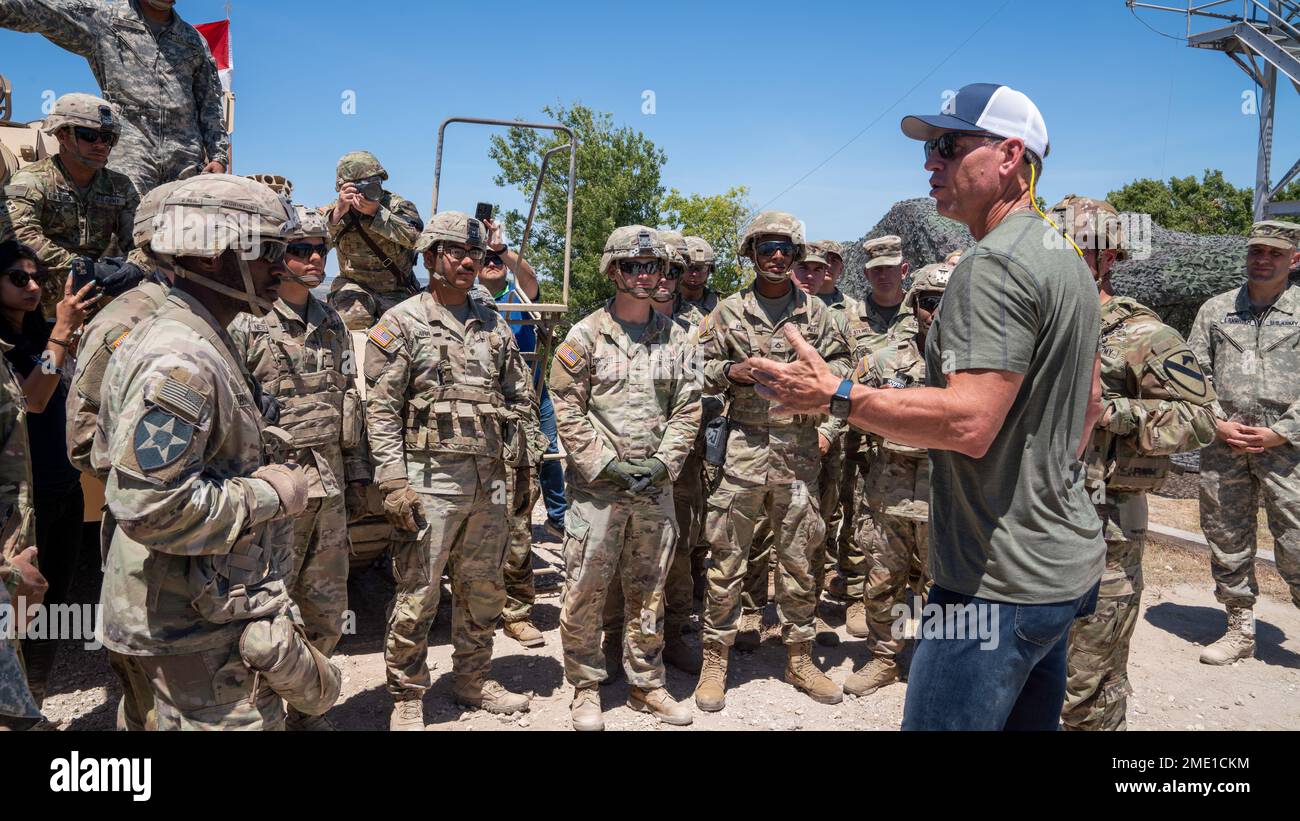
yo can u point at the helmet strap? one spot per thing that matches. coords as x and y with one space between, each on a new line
258 306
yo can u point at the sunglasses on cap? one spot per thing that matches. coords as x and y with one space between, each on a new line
928 302
460 252
637 267
304 250
90 136
19 277
772 246
946 143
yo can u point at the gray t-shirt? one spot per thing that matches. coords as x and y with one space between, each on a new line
774 308
1017 525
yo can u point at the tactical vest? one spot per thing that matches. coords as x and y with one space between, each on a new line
463 411
312 406
1115 462
749 409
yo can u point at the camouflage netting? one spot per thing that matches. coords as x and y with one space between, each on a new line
1182 271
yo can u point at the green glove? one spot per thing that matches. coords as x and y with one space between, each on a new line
651 472
620 473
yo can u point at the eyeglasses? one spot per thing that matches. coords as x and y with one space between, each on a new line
271 251
929 302
492 261
675 271
946 143
460 252
637 267
304 250
772 246
19 278
90 136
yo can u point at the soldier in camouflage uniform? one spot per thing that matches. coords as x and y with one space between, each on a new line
627 410
19 578
772 464
193 577
301 353
375 232
1156 402
70 205
1248 342
446 389
103 334
893 492
156 71
695 299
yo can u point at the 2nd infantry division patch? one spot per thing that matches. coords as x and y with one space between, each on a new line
161 439
570 357
1185 372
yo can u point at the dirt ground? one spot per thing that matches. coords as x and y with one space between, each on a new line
1172 689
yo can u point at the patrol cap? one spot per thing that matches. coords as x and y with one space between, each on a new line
827 248
882 251
1275 234
815 254
990 107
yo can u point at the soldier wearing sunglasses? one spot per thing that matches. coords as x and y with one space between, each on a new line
70 205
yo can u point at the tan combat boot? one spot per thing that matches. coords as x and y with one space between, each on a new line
711 692
870 677
525 633
612 645
1237 643
825 634
678 653
855 620
751 632
804 675
486 694
407 715
657 702
584 711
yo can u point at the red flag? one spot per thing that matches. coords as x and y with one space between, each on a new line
218 36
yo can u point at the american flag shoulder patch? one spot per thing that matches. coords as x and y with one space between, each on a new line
570 357
112 346
381 336
180 399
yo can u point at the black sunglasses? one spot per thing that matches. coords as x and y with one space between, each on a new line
946 143
304 250
636 267
90 136
675 271
19 278
492 261
929 302
771 246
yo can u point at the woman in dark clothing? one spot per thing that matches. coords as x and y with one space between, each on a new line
41 356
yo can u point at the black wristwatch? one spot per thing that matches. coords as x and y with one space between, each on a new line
841 405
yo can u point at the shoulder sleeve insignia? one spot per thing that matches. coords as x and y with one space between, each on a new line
860 373
707 329
381 336
1185 371
160 439
112 346
177 398
570 357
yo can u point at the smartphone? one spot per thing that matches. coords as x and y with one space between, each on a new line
83 273
483 211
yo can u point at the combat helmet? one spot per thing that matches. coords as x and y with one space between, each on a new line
207 215
698 250
932 278
630 242
452 226
311 223
86 110
675 244
147 212
358 165
780 224
1090 223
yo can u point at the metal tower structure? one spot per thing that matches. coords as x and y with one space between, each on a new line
1263 38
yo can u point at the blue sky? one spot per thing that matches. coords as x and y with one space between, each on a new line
752 93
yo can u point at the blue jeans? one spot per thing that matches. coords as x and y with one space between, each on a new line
1010 675
551 475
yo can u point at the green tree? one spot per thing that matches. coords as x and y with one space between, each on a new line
719 219
617 184
1210 205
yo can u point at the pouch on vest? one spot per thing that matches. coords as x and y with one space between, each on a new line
354 419
244 583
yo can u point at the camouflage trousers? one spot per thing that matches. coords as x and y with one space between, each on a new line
17 708
317 580
361 306
1097 686
1232 487
846 555
518 570
135 711
734 511
616 539
894 530
210 690
470 532
152 156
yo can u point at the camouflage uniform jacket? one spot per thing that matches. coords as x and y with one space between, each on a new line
105 333
394 228
17 517
869 328
163 85
444 399
841 301
309 367
62 222
762 449
898 475
180 432
1254 364
898 362
619 399
695 311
